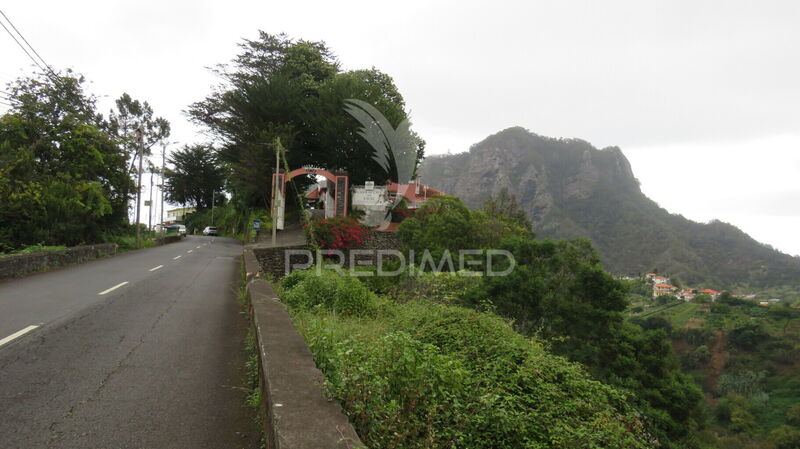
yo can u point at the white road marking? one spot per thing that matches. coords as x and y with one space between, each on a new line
17 334
190 251
113 288
199 246
176 257
156 268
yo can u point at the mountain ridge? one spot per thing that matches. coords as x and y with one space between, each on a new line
571 189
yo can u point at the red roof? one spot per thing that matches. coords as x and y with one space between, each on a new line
409 191
314 194
708 291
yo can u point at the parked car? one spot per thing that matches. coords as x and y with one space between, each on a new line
182 230
210 230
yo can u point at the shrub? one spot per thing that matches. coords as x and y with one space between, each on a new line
336 293
436 376
339 233
441 287
785 437
793 416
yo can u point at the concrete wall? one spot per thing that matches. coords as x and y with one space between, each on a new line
297 414
22 264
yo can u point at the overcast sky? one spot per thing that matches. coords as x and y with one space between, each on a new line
701 96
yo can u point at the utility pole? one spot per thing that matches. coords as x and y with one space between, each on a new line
275 190
150 207
140 137
163 165
212 206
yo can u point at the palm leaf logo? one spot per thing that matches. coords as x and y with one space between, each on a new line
390 144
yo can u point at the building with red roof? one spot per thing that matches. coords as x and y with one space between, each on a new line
663 289
707 291
415 193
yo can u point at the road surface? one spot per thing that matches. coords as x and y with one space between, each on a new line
141 350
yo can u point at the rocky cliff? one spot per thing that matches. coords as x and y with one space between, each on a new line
571 189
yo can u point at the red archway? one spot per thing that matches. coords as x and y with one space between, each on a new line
336 200
311 171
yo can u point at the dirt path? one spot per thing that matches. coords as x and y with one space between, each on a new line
719 358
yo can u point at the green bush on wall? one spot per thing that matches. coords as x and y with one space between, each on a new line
420 374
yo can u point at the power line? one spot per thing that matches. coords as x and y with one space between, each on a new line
49 69
22 47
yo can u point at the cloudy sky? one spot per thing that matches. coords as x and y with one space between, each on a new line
703 97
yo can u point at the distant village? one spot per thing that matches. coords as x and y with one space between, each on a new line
661 286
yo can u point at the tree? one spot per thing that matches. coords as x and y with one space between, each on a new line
784 312
665 299
442 224
293 90
793 415
702 298
785 437
197 177
62 178
501 216
130 115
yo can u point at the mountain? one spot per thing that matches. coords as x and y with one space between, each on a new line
571 189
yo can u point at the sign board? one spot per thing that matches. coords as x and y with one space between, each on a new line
369 197
278 202
256 225
280 205
147 202
341 196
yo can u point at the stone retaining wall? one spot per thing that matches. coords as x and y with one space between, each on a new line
22 264
296 413
273 260
168 239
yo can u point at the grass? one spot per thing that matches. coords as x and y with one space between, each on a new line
34 249
681 314
252 372
128 242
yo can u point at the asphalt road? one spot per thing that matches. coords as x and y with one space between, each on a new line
155 363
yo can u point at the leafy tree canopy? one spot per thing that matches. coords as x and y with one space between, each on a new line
294 90
62 178
197 177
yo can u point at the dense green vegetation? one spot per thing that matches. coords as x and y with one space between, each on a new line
65 171
559 291
230 219
558 301
746 357
570 189
420 374
295 91
196 177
